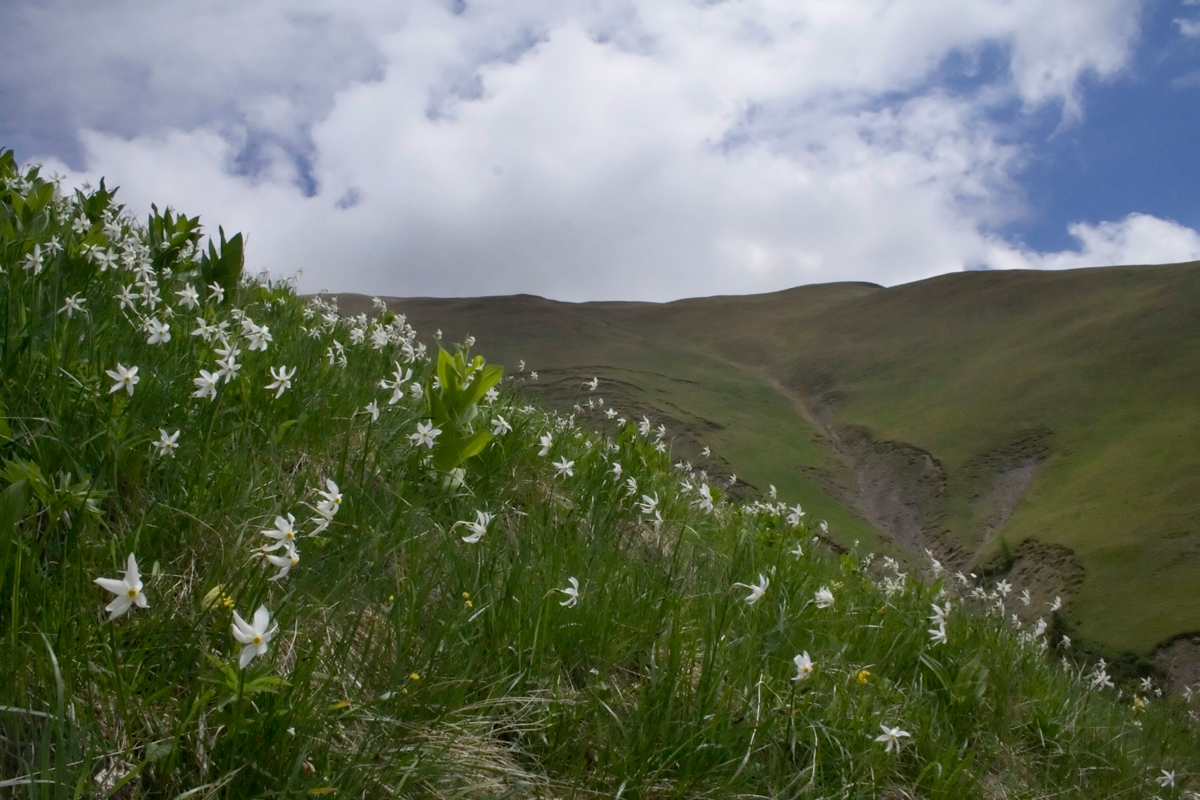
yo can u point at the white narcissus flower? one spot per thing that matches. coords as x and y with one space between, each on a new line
563 467
188 297
572 593
284 533
1167 779
372 408
399 377
331 501
228 351
478 527
256 637
937 635
804 667
202 329
546 441
229 368
103 258
167 444
128 298
648 504
823 598
332 355
283 380
289 559
73 303
892 736
757 590
157 332
33 260
206 384
128 590
706 501
500 426
259 337
123 378
426 434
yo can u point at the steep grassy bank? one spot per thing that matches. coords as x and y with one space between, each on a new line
978 414
256 548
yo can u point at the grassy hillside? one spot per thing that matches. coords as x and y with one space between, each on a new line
254 547
1047 416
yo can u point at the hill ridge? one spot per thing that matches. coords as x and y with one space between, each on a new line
1039 399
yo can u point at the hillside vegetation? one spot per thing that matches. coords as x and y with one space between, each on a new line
253 547
1043 422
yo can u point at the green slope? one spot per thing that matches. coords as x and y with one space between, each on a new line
433 613
971 413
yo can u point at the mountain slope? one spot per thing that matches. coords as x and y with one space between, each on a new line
1043 416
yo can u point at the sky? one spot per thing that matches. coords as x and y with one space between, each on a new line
600 150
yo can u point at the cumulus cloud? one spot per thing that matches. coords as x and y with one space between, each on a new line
580 150
1137 239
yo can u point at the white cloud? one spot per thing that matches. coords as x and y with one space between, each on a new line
1188 27
647 152
1137 239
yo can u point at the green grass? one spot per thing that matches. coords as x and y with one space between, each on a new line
1098 362
408 662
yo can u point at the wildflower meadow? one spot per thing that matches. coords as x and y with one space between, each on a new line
252 548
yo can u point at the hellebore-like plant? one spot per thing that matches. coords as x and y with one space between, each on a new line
452 402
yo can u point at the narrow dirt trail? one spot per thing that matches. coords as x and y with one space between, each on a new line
878 496
792 397
797 402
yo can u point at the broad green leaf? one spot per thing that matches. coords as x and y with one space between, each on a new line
474 445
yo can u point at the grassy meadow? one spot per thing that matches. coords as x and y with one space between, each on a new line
974 413
252 546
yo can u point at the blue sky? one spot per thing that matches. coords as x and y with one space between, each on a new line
627 150
1135 148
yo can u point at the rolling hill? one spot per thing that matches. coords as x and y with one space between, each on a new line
1038 424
